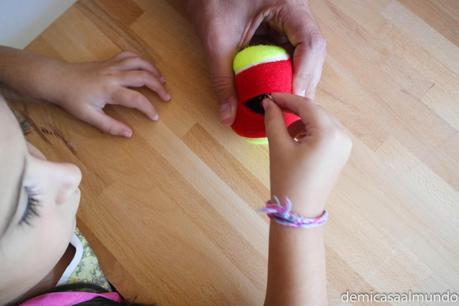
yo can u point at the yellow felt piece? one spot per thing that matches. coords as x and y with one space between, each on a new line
258 141
254 55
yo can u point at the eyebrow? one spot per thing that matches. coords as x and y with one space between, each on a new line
18 197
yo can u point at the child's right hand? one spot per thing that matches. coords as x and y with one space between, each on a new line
304 171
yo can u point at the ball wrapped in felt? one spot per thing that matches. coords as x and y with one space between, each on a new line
259 70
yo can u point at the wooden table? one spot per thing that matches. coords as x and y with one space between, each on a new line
171 213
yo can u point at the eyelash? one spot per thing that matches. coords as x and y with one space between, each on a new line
31 210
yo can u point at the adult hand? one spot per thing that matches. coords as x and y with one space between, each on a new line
304 170
225 26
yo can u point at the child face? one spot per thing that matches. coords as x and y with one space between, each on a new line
38 204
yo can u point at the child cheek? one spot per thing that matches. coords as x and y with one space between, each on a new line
67 213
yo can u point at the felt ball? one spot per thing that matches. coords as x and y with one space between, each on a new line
259 70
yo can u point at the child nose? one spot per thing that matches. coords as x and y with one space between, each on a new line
69 178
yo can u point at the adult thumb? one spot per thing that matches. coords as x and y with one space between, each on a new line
223 80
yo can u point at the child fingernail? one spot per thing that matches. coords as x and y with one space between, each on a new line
127 133
155 117
265 103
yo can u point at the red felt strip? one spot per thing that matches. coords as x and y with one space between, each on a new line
252 125
255 81
264 78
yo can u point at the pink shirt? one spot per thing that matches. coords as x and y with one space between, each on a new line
68 298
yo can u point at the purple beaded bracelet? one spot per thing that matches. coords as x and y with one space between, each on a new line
283 214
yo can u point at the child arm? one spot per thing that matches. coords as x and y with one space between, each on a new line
84 89
305 171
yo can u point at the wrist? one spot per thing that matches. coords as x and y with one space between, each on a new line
304 203
31 74
283 212
51 85
309 208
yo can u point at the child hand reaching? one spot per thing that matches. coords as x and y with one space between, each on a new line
87 88
84 89
304 170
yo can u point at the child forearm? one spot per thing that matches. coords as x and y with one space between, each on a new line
296 267
303 172
30 74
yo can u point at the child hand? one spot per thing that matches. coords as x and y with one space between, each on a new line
84 90
304 170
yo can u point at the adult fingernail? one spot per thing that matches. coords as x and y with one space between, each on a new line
155 117
225 112
300 91
301 87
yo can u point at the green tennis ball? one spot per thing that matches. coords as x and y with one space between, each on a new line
255 55
258 141
254 76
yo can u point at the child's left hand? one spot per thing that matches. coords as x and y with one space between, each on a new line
84 89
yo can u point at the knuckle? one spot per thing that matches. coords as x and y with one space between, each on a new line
117 57
104 83
213 39
222 84
149 78
336 136
137 98
222 81
137 60
140 78
142 75
110 68
128 53
109 83
219 40
129 61
109 128
317 42
329 133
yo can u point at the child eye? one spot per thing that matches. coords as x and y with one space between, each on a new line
31 210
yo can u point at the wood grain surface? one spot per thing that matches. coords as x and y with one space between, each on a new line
171 212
